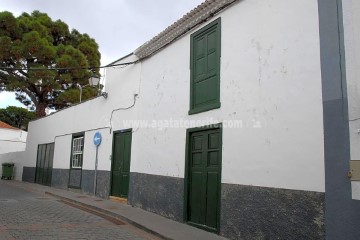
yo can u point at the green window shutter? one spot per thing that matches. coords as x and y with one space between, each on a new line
205 68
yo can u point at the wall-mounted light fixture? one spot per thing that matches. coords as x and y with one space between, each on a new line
94 80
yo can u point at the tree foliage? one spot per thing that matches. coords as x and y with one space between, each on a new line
17 117
30 45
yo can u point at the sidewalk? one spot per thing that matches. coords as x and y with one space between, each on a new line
153 223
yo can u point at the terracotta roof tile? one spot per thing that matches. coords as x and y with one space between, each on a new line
5 125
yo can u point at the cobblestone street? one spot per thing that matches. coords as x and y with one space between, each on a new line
30 215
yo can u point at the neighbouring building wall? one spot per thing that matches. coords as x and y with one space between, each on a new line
16 158
340 39
12 146
12 140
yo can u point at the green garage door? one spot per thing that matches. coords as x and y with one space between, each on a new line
204 179
44 164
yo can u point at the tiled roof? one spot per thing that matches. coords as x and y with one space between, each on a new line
5 125
201 13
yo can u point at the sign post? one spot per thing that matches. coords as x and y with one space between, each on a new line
97 142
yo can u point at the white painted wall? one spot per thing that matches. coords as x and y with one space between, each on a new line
62 152
87 117
104 151
12 140
12 147
17 159
352 48
270 71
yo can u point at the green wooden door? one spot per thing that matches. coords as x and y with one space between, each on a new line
40 164
204 179
120 172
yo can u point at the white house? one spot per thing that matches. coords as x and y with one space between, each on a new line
240 118
11 139
12 147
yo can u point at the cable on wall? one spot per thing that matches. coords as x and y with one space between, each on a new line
123 108
88 130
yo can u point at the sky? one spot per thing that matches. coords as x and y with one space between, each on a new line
118 26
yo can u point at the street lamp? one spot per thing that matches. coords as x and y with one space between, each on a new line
94 81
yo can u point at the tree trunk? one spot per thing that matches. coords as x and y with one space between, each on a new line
40 110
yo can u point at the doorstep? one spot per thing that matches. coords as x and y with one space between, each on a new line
118 199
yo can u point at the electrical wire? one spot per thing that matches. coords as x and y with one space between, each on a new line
75 68
129 63
66 134
5 140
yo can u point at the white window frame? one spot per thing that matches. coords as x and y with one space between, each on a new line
77 152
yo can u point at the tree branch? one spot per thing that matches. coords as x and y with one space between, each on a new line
31 95
24 73
12 73
21 71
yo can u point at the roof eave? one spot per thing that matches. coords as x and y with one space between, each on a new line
189 21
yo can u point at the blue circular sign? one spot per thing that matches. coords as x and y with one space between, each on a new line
97 138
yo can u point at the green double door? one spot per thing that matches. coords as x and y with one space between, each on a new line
120 170
204 179
44 164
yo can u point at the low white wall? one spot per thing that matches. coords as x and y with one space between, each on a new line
12 140
98 114
11 146
18 159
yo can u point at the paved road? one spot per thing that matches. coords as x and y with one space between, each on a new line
31 215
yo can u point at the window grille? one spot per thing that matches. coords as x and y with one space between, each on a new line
77 152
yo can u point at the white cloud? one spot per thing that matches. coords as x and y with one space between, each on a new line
8 99
118 26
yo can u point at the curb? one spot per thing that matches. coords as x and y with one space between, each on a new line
111 214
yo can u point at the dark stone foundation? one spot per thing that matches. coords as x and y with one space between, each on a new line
60 178
158 194
84 179
249 212
102 185
28 174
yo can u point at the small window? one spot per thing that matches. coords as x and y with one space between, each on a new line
77 152
205 68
